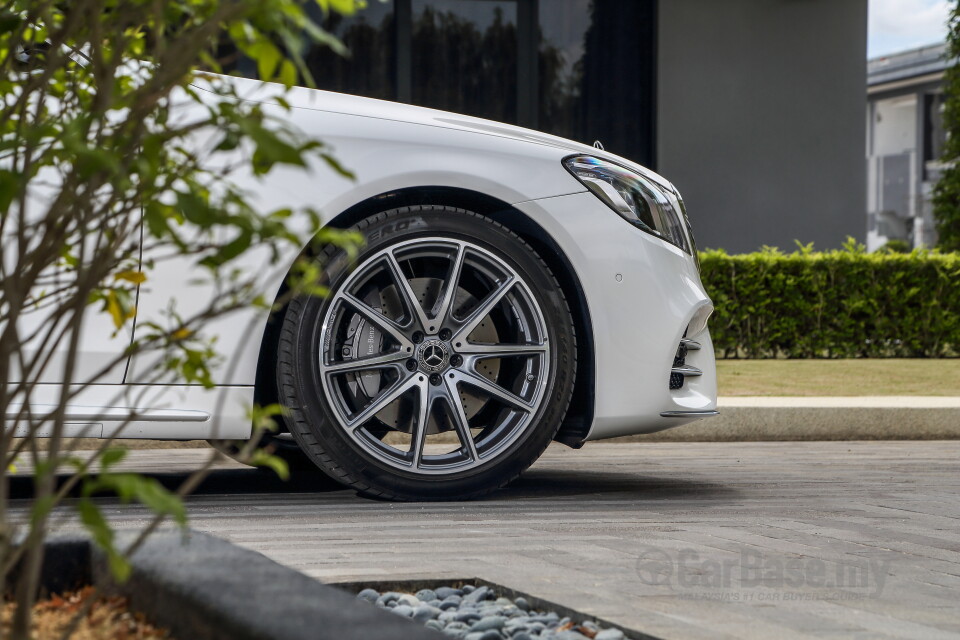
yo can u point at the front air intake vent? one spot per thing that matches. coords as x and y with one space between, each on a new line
676 381
681 370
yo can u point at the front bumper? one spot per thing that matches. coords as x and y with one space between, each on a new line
643 296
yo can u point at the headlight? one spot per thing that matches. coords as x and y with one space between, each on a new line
638 200
693 242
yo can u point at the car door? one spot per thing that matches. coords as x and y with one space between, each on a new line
43 356
101 346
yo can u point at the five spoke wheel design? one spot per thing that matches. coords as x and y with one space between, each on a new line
434 336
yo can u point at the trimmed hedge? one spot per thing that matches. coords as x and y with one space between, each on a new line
834 304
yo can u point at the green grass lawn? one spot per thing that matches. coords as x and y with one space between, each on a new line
866 377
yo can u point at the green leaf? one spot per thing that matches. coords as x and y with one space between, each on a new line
133 277
9 188
41 508
261 458
196 208
9 22
147 491
111 457
103 537
288 73
268 57
334 164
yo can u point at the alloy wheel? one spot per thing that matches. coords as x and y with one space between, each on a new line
433 336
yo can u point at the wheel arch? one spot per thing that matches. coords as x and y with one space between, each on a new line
576 424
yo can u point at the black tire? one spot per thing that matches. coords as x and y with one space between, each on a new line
313 422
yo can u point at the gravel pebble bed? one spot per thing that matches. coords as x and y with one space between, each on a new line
476 613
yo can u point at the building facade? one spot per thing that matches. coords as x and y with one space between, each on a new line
753 108
905 139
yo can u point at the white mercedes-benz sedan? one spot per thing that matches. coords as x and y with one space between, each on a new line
514 289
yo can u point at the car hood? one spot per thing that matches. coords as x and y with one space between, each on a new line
329 101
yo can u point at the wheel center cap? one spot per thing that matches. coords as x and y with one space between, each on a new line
433 355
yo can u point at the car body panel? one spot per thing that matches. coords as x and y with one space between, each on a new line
642 293
101 347
154 412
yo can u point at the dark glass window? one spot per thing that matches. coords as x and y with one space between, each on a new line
562 38
934 135
581 69
596 73
464 57
369 70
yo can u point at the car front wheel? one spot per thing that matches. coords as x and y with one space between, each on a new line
439 366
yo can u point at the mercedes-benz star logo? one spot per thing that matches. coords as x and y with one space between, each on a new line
433 355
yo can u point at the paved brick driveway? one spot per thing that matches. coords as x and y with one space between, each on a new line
691 540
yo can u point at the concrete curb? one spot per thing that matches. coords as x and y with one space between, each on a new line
772 419
821 418
204 588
